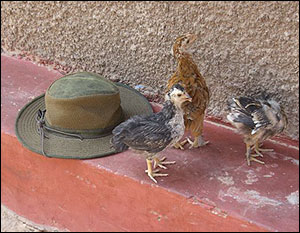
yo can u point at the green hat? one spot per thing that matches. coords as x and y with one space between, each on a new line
76 115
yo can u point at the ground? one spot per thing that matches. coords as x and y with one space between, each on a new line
208 189
11 222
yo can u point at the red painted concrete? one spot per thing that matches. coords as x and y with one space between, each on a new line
208 189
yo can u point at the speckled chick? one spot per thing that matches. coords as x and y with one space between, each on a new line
257 119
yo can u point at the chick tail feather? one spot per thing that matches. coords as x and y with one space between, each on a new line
118 144
117 141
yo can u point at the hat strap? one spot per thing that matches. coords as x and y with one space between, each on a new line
40 120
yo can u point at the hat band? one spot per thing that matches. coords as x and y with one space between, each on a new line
80 134
84 134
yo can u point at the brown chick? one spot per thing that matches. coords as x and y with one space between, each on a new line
257 119
188 75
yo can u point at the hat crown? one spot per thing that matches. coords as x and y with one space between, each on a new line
84 103
82 84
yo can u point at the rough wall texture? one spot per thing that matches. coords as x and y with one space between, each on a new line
242 47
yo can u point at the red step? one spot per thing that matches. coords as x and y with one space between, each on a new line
208 189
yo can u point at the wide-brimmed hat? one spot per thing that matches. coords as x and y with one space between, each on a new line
76 115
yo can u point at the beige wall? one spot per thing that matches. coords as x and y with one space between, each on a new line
243 47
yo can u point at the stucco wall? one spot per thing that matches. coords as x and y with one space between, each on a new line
242 47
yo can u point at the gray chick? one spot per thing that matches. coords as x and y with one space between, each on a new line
154 133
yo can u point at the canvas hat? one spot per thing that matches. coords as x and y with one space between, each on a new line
76 115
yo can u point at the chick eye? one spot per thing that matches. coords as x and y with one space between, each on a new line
179 95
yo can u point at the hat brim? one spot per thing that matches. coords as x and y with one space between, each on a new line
132 103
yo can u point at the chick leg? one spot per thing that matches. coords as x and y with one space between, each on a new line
161 162
152 173
196 129
250 157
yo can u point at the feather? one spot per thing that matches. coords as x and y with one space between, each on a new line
252 115
154 132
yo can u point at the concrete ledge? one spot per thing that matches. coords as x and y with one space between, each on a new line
208 189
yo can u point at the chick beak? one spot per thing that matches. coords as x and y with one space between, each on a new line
186 97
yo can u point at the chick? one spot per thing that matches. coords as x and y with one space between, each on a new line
188 75
257 119
151 134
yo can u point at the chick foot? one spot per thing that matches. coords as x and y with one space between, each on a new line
251 157
258 150
153 173
160 162
179 145
198 141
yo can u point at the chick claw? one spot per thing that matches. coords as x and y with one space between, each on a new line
161 163
153 173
